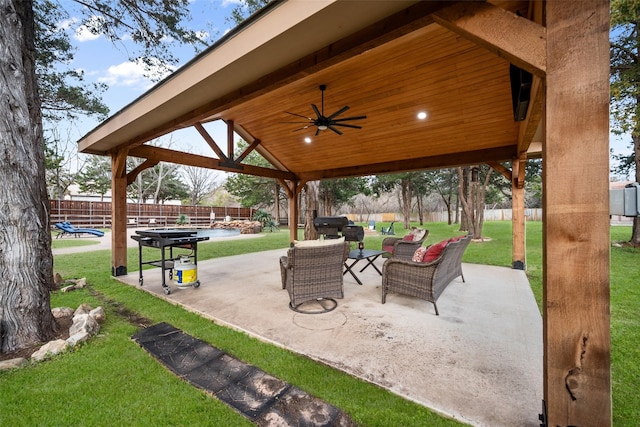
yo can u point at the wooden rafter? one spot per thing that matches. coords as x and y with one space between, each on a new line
248 151
209 140
172 156
520 41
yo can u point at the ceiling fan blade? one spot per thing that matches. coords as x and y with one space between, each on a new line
350 118
337 113
335 130
317 132
308 121
346 125
315 109
302 128
299 115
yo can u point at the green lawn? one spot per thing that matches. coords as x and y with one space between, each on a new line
112 381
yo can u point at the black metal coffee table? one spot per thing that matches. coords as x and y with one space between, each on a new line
370 255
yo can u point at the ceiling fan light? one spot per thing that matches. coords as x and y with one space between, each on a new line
322 127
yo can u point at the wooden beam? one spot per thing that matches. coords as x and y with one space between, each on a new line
518 40
178 157
529 126
131 176
501 169
576 318
433 162
230 142
209 140
248 151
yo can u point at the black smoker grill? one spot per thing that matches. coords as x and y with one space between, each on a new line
330 226
163 239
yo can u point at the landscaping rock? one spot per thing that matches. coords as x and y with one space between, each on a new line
60 312
50 349
245 227
84 322
98 314
18 362
82 309
78 338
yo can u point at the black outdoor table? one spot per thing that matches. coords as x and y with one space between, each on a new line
370 255
167 238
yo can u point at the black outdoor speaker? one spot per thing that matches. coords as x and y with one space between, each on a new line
520 91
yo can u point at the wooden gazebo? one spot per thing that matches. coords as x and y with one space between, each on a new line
499 81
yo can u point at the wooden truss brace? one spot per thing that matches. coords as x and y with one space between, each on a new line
515 175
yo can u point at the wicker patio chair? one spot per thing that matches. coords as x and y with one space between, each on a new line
402 248
314 273
425 280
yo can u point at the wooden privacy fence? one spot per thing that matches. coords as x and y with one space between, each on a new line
98 214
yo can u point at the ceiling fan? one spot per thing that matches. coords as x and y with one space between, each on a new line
326 122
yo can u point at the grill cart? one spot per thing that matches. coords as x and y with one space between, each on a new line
185 265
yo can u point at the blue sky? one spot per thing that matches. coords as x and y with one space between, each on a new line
103 62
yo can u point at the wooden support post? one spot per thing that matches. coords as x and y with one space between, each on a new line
119 213
292 190
518 231
576 329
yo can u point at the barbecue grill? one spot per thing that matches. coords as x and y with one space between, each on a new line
353 233
164 239
330 226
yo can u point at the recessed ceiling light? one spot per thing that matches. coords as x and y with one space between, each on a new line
307 140
422 115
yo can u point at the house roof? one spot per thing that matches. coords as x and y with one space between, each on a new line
385 60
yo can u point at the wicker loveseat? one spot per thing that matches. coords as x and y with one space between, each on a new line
312 271
404 247
425 280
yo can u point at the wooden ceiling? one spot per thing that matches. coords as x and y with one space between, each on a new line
390 67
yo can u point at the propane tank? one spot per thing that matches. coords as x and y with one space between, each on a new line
185 272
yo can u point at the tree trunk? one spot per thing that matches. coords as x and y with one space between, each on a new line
635 233
406 201
26 261
310 232
463 184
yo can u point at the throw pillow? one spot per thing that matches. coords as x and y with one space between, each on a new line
434 251
388 249
418 255
419 234
408 238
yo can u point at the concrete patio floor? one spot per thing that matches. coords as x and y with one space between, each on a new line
480 361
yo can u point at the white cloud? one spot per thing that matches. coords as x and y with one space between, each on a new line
84 33
134 74
226 3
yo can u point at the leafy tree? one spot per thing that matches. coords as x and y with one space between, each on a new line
253 191
336 193
64 93
625 86
445 183
244 9
472 189
25 314
96 176
401 181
